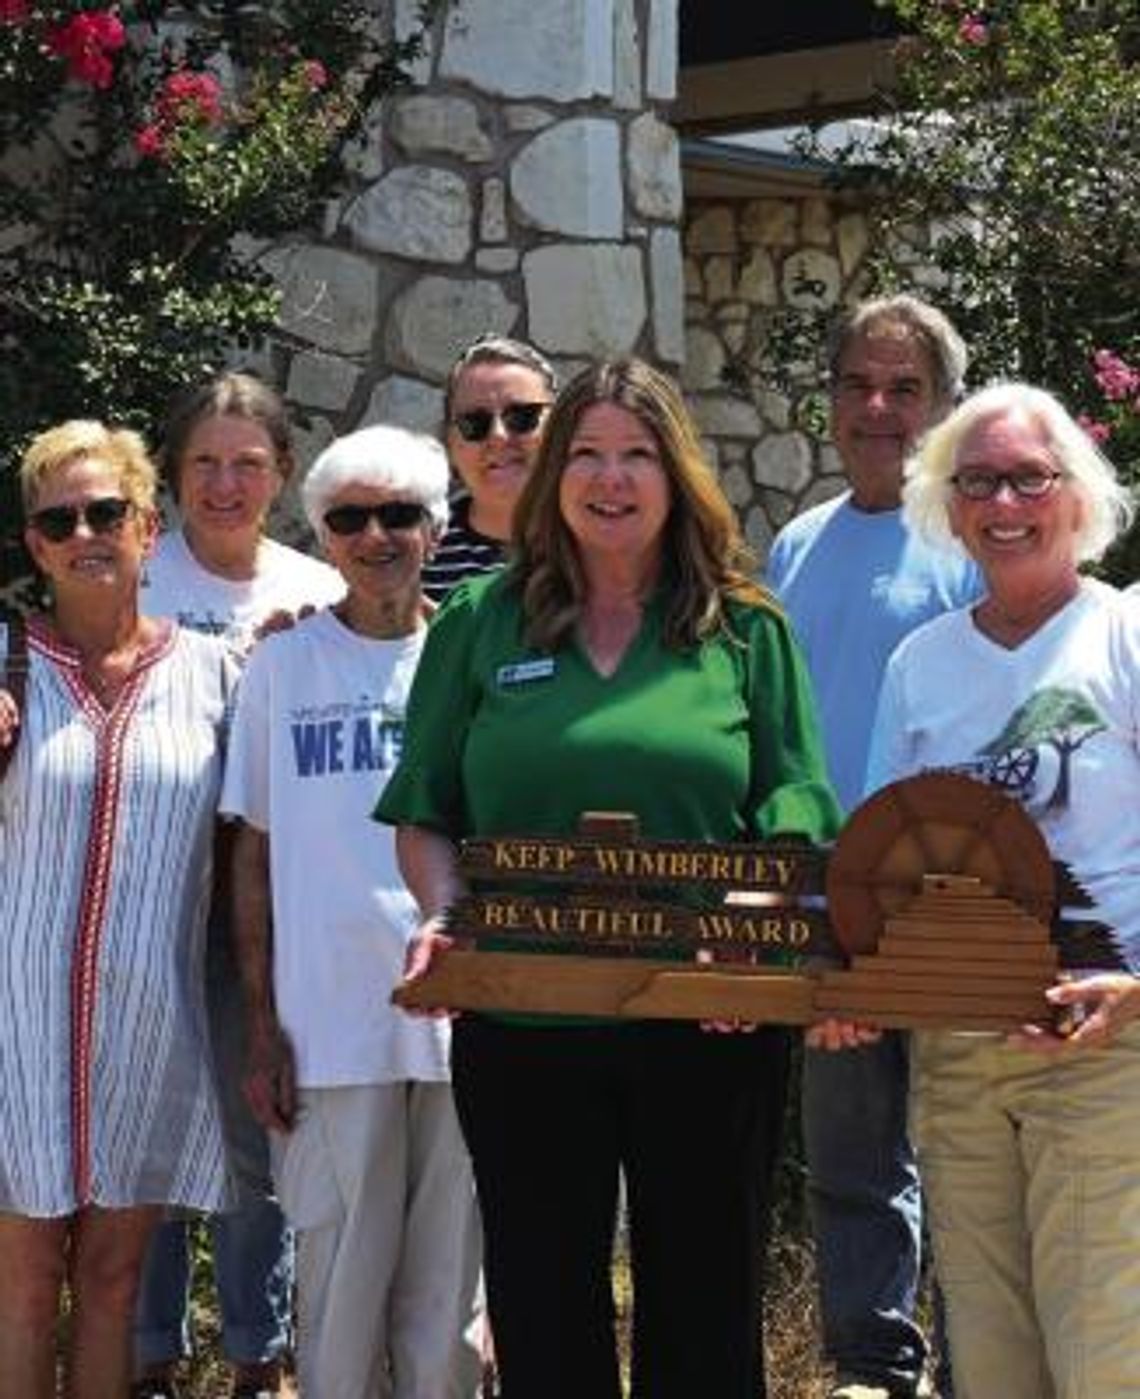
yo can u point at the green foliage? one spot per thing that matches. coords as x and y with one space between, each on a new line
1003 177
140 148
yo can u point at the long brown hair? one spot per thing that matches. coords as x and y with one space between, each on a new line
705 560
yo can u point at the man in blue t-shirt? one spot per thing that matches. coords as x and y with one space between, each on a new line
855 581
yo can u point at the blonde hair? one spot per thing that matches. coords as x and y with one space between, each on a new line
706 562
1108 506
85 438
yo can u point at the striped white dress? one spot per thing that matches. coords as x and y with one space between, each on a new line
106 829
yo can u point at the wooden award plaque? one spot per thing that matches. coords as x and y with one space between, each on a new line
940 907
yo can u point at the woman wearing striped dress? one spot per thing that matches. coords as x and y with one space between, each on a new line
107 1106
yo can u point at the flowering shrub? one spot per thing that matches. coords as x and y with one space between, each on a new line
972 30
86 42
1002 178
1114 424
137 140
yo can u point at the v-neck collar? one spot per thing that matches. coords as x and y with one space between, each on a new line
649 626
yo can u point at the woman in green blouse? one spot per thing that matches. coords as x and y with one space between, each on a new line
625 662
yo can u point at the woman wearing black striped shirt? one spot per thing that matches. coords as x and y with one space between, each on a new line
496 400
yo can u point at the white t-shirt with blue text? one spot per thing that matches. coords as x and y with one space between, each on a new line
318 731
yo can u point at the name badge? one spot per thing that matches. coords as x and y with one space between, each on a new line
523 672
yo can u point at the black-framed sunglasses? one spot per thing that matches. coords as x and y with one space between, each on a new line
975 484
104 515
518 420
391 514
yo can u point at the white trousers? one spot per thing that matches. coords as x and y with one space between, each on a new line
377 1183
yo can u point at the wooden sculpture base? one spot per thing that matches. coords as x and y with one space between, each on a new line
627 987
956 957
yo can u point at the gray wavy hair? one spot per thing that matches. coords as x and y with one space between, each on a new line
1108 505
918 320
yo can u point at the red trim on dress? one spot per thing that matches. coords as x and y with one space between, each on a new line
111 728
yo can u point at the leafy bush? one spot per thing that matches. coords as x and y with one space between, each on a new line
1002 174
138 145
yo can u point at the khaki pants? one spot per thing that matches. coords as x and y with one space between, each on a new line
377 1183
1032 1174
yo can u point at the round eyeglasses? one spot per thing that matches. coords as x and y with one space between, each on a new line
976 484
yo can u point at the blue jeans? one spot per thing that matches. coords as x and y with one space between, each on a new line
866 1209
252 1246
253 1274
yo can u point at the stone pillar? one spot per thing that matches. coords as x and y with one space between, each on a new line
527 182
747 263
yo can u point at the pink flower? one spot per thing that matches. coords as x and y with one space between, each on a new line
190 97
1116 379
13 11
151 141
85 41
315 73
973 30
1098 431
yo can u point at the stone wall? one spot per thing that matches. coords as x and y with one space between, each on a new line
527 183
746 262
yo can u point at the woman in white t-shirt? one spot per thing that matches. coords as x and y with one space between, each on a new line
1028 1145
368 1156
227 453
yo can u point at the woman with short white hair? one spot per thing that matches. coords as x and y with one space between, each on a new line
1029 1158
368 1158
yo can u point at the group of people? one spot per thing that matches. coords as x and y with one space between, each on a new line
945 620
197 1009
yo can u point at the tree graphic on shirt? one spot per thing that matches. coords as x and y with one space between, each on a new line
1063 719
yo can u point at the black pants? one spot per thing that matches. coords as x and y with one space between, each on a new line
551 1115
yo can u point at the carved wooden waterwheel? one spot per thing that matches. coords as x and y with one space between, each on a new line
938 823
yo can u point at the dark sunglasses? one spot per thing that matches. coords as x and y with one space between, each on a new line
102 516
392 514
518 420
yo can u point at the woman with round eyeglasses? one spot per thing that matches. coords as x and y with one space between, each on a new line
106 834
1028 1144
495 402
227 455
368 1156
